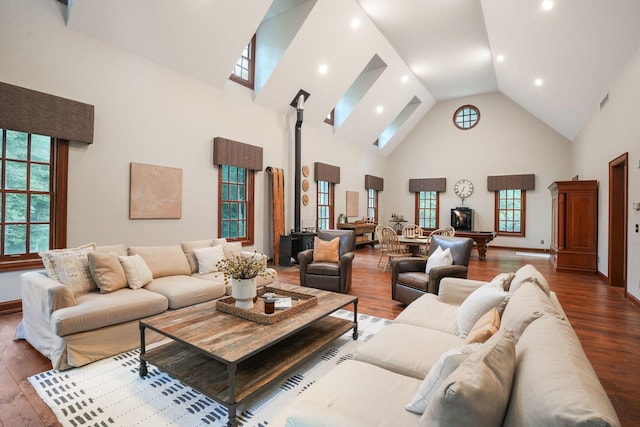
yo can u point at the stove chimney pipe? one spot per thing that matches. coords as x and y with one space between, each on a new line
298 104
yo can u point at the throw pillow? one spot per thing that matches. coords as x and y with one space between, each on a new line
72 270
107 271
439 258
136 270
504 279
478 303
525 306
446 364
529 273
486 327
477 393
208 258
188 247
232 249
326 251
46 259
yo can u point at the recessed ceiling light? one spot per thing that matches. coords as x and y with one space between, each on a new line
547 5
323 68
405 78
355 23
379 109
538 82
500 58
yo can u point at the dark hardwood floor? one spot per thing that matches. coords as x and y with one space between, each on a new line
608 326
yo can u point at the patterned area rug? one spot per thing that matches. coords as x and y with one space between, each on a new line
111 393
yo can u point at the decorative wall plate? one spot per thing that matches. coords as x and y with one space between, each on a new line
305 184
305 170
305 199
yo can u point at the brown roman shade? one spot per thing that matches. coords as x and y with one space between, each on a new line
325 172
427 184
27 110
234 153
511 182
373 183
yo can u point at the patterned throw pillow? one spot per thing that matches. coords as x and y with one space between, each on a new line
48 264
326 251
72 269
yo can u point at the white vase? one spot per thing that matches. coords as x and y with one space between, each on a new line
243 291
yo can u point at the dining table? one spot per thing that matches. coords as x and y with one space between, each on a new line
415 243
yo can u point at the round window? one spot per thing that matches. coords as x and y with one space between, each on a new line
466 117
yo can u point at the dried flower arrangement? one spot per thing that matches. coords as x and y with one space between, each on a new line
243 267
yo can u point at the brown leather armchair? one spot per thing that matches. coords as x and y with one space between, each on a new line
335 277
408 279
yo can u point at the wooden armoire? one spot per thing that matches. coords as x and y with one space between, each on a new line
574 226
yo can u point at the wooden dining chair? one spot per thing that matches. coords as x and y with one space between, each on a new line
412 230
394 248
446 231
381 244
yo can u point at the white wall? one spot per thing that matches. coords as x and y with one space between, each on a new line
608 134
507 140
149 114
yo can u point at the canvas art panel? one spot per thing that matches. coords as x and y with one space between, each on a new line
155 192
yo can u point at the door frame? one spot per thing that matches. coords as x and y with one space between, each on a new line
618 221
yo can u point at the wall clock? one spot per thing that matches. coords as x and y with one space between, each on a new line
463 188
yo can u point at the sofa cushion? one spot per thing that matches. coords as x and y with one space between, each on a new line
420 349
478 391
570 395
95 310
439 258
478 303
324 268
415 279
486 327
357 390
72 269
136 270
182 291
232 249
208 258
309 414
525 306
326 251
429 312
120 250
107 271
189 246
528 273
446 364
163 260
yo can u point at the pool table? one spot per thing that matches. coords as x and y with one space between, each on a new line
481 239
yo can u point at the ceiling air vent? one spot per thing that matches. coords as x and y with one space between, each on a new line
604 101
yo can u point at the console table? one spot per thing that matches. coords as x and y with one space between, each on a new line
364 232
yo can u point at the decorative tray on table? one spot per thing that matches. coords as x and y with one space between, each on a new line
299 302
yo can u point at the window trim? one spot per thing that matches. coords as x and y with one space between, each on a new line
417 207
252 67
469 106
523 210
330 117
58 216
250 196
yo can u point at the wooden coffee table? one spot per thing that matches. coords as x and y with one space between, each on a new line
229 358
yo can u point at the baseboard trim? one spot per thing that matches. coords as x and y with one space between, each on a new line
8 307
511 248
603 277
635 301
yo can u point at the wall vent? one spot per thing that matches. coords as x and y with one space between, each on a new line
604 101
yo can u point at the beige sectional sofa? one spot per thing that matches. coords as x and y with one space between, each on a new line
89 309
421 370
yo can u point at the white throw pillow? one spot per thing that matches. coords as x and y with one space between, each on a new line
232 249
439 258
478 303
446 364
208 258
137 272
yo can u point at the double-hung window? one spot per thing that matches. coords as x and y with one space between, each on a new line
372 204
245 69
510 212
427 209
236 207
325 204
33 197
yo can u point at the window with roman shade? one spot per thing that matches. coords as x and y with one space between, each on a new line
427 200
237 163
35 130
510 202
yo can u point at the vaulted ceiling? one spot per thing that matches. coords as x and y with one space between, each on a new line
386 62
